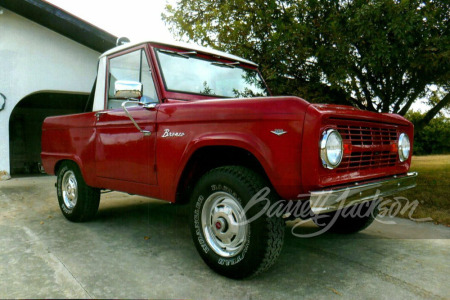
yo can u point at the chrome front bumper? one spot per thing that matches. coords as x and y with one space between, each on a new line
335 199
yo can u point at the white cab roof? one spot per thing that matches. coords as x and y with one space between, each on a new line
183 46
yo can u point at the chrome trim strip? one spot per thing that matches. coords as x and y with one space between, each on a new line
332 200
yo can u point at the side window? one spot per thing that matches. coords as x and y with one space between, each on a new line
149 94
133 67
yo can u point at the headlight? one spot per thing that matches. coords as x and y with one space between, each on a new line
331 148
404 147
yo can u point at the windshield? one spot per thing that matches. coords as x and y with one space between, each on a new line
186 73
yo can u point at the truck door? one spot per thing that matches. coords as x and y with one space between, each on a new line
122 151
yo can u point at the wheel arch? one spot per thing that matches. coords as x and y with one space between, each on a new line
208 157
74 160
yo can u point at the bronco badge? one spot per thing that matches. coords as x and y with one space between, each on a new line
167 133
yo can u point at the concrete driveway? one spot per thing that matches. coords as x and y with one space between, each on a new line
142 248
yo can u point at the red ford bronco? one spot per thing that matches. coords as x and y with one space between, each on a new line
188 124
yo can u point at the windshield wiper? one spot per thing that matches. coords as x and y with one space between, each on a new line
182 54
228 65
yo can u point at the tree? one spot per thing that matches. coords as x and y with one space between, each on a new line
434 138
439 106
379 55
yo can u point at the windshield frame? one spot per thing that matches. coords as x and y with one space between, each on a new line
186 95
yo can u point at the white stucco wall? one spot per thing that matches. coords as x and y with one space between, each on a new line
34 58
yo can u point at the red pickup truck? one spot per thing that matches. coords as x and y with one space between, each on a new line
188 124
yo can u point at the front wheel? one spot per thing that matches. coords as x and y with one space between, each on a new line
78 201
234 239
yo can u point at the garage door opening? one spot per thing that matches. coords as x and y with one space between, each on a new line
25 126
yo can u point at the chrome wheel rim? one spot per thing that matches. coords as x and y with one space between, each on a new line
69 189
224 224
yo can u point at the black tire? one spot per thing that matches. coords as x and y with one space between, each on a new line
350 219
78 202
256 244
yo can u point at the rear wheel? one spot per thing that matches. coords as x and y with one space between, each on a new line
350 219
223 229
78 202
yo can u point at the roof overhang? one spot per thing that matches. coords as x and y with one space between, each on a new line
62 22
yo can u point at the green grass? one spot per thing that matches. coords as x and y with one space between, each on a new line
433 188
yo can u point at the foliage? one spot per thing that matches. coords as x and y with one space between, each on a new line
379 55
434 138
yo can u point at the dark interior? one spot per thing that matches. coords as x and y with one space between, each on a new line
25 126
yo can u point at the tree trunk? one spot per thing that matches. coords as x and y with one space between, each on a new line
432 113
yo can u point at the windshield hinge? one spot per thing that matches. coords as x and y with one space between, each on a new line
182 54
222 64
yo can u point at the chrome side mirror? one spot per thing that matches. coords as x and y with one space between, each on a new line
130 90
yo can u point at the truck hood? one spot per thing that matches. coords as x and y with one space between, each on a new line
233 109
350 112
264 108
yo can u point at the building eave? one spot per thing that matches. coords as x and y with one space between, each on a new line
62 22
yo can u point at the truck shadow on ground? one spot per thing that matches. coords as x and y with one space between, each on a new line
166 216
324 255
